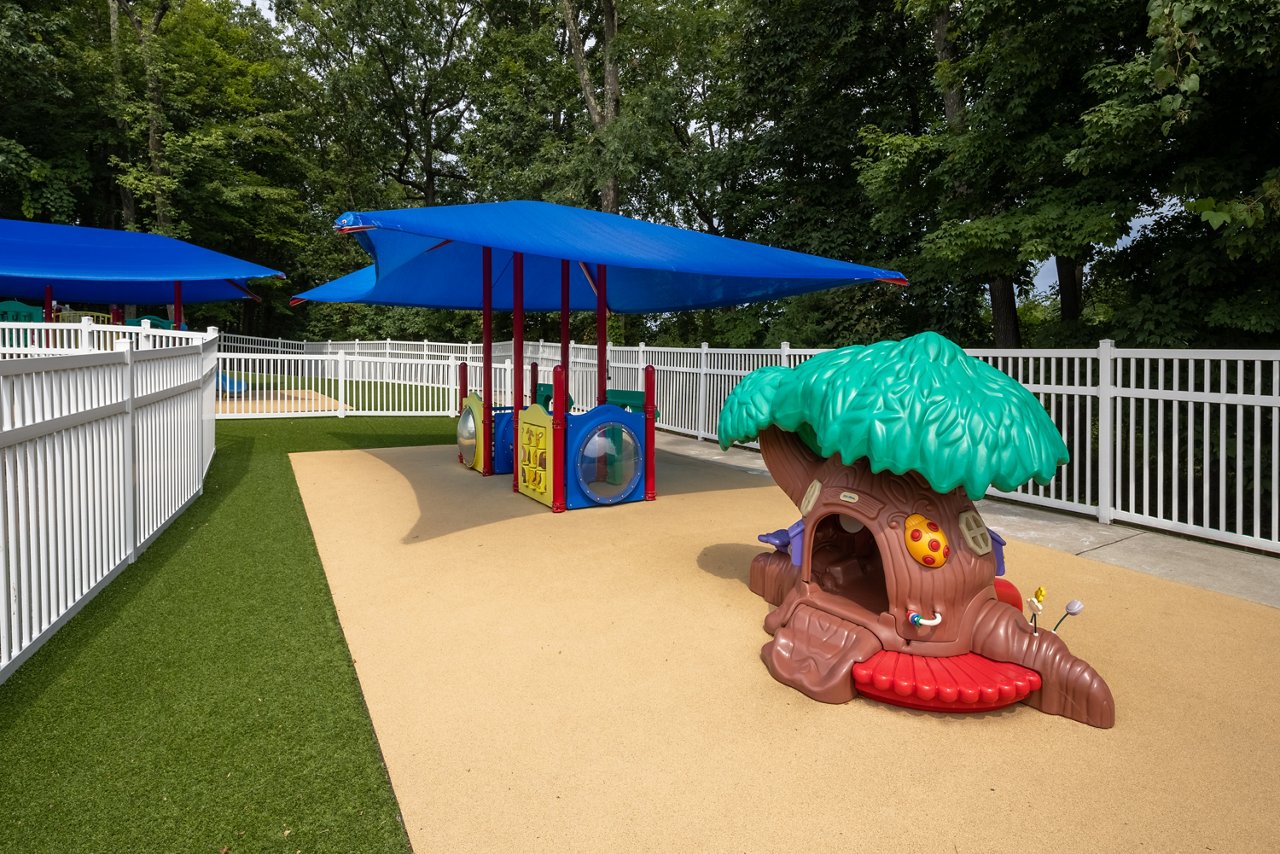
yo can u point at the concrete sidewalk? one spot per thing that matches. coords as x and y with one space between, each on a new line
1236 572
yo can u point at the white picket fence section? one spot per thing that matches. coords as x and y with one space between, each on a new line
99 452
1186 441
27 340
299 386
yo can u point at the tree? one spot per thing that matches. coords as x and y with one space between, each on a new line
811 76
997 193
393 77
45 85
1198 111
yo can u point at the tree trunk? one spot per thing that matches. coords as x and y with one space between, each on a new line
944 50
1004 313
1070 287
155 149
128 209
155 105
602 107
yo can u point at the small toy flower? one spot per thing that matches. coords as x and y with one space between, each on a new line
1036 603
1075 606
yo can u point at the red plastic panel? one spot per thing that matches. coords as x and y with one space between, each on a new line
957 683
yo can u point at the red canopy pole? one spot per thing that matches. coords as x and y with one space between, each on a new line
533 383
117 315
602 336
462 393
565 356
559 423
177 305
517 355
487 272
48 303
650 440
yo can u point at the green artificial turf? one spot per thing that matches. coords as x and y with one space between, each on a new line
206 700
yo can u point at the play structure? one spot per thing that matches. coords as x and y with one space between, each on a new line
534 256
601 457
887 585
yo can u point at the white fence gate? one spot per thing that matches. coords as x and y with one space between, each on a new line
99 452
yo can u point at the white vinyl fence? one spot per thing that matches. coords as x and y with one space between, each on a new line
27 340
1186 441
99 452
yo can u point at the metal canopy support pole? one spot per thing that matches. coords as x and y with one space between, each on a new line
177 305
487 360
559 424
650 440
565 354
602 336
462 396
517 363
48 314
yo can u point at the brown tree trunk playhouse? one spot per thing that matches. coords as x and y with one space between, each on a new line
887 585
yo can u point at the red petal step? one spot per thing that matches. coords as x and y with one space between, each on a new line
957 683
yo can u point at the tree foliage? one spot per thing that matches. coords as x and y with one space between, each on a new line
968 143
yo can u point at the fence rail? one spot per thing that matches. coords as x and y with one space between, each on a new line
99 452
1186 441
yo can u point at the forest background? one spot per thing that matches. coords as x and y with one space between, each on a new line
1126 157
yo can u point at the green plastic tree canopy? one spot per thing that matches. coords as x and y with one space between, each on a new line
921 404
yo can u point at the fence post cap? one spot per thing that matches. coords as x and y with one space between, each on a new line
122 344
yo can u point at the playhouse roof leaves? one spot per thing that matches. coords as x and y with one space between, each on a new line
921 404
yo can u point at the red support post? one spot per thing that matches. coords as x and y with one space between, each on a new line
117 315
462 393
517 354
177 305
487 325
565 355
559 424
650 439
48 314
533 383
602 336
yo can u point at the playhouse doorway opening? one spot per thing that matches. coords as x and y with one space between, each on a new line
846 562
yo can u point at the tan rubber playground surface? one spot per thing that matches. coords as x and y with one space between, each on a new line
260 402
591 682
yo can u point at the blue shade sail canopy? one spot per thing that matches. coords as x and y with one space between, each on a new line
100 266
432 257
349 288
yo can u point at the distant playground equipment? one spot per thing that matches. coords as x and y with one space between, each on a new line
12 311
156 322
564 460
558 258
887 585
229 386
